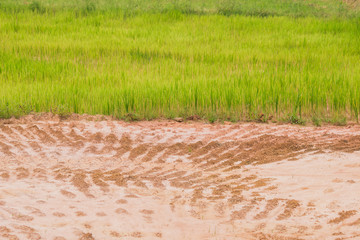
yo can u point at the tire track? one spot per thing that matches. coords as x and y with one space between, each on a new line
206 175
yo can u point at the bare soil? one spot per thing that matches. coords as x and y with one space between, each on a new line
97 178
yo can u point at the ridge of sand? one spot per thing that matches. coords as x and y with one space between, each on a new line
108 179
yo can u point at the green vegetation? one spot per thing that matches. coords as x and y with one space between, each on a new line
229 60
294 8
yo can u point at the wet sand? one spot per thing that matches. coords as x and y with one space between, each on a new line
97 178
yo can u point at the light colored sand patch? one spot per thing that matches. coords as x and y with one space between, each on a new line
81 179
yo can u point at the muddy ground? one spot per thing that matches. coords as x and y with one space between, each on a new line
96 178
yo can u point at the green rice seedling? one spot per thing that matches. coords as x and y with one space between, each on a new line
165 59
316 121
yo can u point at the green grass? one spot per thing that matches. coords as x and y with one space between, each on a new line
298 63
294 8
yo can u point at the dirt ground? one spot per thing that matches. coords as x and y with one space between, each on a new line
96 178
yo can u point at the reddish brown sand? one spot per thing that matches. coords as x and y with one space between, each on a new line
96 178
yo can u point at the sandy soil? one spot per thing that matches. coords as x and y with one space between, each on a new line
96 178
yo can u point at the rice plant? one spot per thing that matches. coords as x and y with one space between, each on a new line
223 60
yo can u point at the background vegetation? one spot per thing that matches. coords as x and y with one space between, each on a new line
221 60
294 8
